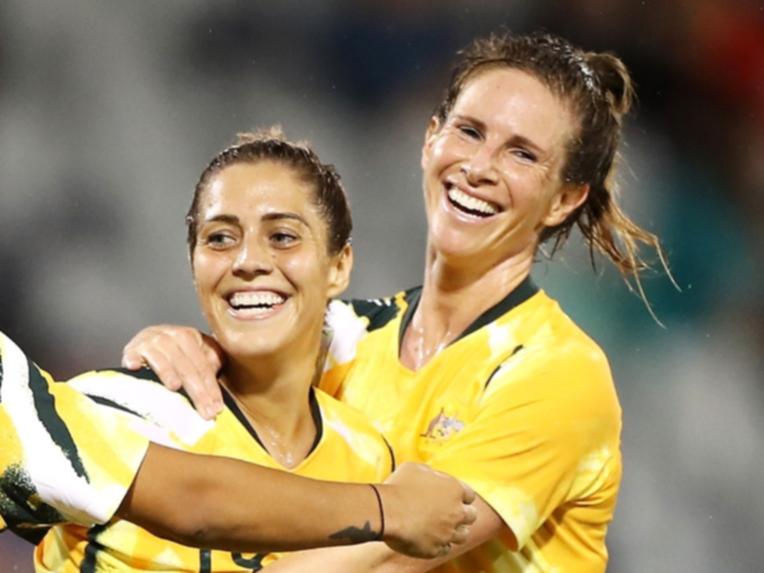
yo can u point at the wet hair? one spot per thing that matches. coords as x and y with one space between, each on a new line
271 145
598 90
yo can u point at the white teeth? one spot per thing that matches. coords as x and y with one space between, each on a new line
246 312
255 298
472 203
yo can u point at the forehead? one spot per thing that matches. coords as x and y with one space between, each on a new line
256 188
515 101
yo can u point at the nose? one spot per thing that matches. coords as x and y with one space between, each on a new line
479 168
252 259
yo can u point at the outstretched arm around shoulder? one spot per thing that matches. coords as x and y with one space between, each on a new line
242 507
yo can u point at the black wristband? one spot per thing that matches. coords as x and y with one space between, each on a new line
381 533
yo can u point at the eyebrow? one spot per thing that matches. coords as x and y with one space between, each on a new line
233 219
278 215
514 140
273 216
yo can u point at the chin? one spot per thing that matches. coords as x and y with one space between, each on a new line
249 346
452 246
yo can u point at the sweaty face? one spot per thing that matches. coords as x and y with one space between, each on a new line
261 266
492 171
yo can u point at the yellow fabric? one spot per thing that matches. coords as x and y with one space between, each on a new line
523 409
57 457
349 450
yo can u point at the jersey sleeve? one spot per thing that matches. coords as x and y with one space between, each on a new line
63 459
165 417
345 329
532 447
347 323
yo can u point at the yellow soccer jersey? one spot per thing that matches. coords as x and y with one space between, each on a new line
57 457
522 407
347 448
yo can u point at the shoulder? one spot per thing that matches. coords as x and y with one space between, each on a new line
119 387
373 313
169 416
570 348
555 341
345 418
555 361
348 322
354 428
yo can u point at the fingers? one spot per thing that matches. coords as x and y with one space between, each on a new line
163 367
470 514
198 366
462 530
144 351
429 511
182 358
134 352
131 359
199 381
469 494
461 535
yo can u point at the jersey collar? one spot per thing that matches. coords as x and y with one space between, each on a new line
315 411
525 290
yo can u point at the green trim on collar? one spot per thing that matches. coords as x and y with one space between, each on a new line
525 290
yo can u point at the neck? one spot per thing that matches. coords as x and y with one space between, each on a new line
273 393
454 295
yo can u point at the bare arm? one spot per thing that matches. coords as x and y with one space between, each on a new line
243 507
378 558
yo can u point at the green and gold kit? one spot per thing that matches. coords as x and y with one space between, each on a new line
521 406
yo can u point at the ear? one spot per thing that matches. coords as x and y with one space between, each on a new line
433 127
569 198
339 271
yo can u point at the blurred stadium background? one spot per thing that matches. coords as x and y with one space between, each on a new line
109 111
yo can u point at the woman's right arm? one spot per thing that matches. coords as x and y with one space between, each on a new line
243 507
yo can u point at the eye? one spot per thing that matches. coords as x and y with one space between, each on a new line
284 239
469 131
524 154
219 239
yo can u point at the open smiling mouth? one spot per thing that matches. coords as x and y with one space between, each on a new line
255 304
469 204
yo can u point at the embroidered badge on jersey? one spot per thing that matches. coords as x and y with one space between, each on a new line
442 426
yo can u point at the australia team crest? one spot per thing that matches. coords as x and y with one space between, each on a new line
442 426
